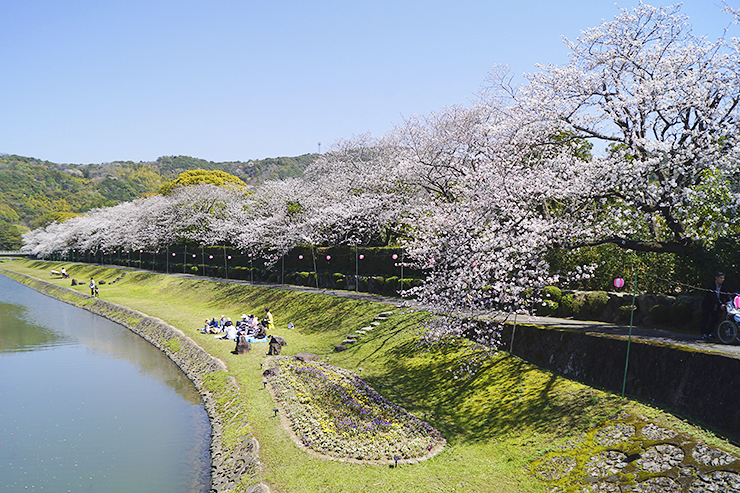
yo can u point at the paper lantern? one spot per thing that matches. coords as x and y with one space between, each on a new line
618 282
362 256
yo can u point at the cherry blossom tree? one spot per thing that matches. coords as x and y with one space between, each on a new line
665 103
479 194
513 175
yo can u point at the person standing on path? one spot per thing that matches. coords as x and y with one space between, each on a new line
712 306
92 287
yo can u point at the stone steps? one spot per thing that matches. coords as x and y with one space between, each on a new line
353 338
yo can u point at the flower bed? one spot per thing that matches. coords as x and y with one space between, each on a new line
336 413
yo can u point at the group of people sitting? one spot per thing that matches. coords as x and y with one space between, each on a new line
249 326
246 330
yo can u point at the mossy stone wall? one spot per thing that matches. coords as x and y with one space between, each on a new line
703 387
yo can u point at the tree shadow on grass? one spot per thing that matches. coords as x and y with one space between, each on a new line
503 395
312 313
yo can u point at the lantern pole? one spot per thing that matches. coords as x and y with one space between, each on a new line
357 268
629 338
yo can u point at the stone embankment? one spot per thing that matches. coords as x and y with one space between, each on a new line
698 384
232 463
629 453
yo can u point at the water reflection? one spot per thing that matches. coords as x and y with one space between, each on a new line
17 334
34 321
87 405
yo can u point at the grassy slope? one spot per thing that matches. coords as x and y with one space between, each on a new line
495 422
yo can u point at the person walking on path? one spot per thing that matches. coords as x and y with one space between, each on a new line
712 306
92 287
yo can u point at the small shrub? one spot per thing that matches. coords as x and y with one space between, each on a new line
596 302
194 269
378 284
391 285
363 284
339 280
682 313
552 293
660 314
566 305
303 278
579 306
624 313
547 308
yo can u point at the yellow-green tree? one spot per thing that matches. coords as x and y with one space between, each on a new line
196 176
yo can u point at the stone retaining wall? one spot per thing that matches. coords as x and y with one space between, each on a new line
232 463
702 387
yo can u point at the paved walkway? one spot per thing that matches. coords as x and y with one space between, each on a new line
600 329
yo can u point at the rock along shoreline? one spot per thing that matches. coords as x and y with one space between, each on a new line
234 463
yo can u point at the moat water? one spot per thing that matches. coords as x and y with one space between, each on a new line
86 405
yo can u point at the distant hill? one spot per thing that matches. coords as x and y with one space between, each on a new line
34 192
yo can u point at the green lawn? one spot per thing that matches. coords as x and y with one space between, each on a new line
496 422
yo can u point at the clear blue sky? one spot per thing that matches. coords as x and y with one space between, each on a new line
93 81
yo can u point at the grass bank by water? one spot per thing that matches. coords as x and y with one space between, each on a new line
496 422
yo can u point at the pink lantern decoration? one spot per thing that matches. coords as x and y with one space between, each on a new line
193 255
618 282
210 257
362 256
328 257
229 257
173 254
395 256
431 260
300 257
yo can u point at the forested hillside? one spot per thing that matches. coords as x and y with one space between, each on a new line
34 192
